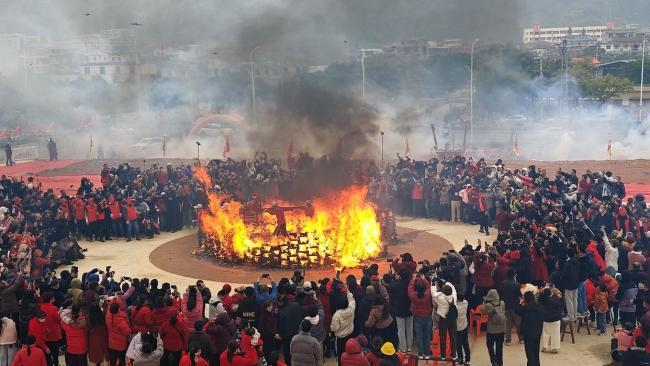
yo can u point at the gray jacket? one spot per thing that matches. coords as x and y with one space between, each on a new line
318 325
134 352
305 350
491 302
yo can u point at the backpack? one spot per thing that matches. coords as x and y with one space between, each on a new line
498 315
452 314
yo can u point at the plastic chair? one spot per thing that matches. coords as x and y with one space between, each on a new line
476 319
435 347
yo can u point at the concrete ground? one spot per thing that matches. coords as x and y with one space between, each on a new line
132 259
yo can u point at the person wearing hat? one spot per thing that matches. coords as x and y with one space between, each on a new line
389 356
353 355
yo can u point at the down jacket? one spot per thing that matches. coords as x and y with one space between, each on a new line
118 331
343 319
420 306
140 359
353 355
305 350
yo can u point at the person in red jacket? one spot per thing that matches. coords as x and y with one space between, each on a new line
79 211
37 328
92 223
353 355
482 278
29 355
52 335
192 359
164 310
118 333
419 292
233 356
131 219
174 335
76 336
142 317
116 217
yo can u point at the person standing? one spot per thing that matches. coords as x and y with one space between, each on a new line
419 292
289 320
343 323
8 154
400 305
462 338
570 283
552 306
51 149
494 308
305 349
8 340
510 293
444 295
532 321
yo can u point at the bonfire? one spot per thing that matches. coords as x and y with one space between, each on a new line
342 231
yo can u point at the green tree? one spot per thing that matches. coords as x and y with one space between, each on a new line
606 87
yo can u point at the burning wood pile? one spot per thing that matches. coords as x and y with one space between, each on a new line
341 230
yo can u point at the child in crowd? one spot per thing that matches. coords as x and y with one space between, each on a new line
601 307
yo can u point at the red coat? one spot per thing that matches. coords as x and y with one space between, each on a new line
35 358
115 210
420 306
501 270
118 331
163 315
175 336
540 269
353 355
91 212
142 320
37 329
185 361
76 338
483 273
52 323
97 344
591 248
611 284
237 360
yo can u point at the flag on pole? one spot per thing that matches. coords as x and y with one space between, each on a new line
515 146
91 144
407 148
609 149
164 145
4 133
16 133
226 147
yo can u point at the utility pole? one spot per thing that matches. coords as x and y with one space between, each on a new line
641 91
253 81
363 73
471 94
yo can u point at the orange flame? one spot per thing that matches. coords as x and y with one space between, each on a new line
344 227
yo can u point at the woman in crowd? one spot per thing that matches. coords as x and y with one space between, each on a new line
29 355
422 308
550 300
444 295
191 307
75 327
532 321
174 335
118 333
8 340
193 358
496 328
145 349
380 322
97 336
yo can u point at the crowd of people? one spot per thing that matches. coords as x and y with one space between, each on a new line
563 249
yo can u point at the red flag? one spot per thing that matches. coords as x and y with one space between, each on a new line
407 148
164 145
16 133
226 147
3 134
609 149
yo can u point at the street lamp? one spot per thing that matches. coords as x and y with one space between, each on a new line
253 79
471 94
641 92
382 149
198 152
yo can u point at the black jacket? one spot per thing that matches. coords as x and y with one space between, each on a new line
289 318
400 304
636 357
571 274
510 293
532 320
552 309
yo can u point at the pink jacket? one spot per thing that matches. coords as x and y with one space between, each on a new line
190 317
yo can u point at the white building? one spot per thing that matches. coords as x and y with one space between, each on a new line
556 35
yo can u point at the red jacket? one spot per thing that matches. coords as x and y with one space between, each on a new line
115 210
76 338
52 323
540 269
185 361
38 329
175 336
420 306
91 212
142 320
36 357
353 355
163 315
611 284
237 360
118 331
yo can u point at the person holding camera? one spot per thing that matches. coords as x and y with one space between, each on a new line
444 295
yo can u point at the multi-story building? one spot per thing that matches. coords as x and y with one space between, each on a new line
624 40
557 34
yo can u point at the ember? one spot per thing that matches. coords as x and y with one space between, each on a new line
339 230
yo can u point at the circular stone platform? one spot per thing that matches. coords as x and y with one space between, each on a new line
176 257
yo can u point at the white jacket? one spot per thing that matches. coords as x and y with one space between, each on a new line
461 322
343 319
441 300
611 254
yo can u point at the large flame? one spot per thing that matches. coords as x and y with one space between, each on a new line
344 227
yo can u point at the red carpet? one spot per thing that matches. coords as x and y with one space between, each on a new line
57 182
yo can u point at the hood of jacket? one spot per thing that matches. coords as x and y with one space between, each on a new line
352 346
493 297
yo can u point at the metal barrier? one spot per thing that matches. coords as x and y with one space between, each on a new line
21 153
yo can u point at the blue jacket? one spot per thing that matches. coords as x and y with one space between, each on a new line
271 296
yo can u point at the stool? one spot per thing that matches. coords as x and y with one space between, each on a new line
583 320
563 330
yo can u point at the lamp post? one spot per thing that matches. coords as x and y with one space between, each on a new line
471 94
253 80
382 149
641 91
198 152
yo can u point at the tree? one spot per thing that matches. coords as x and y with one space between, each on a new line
606 87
